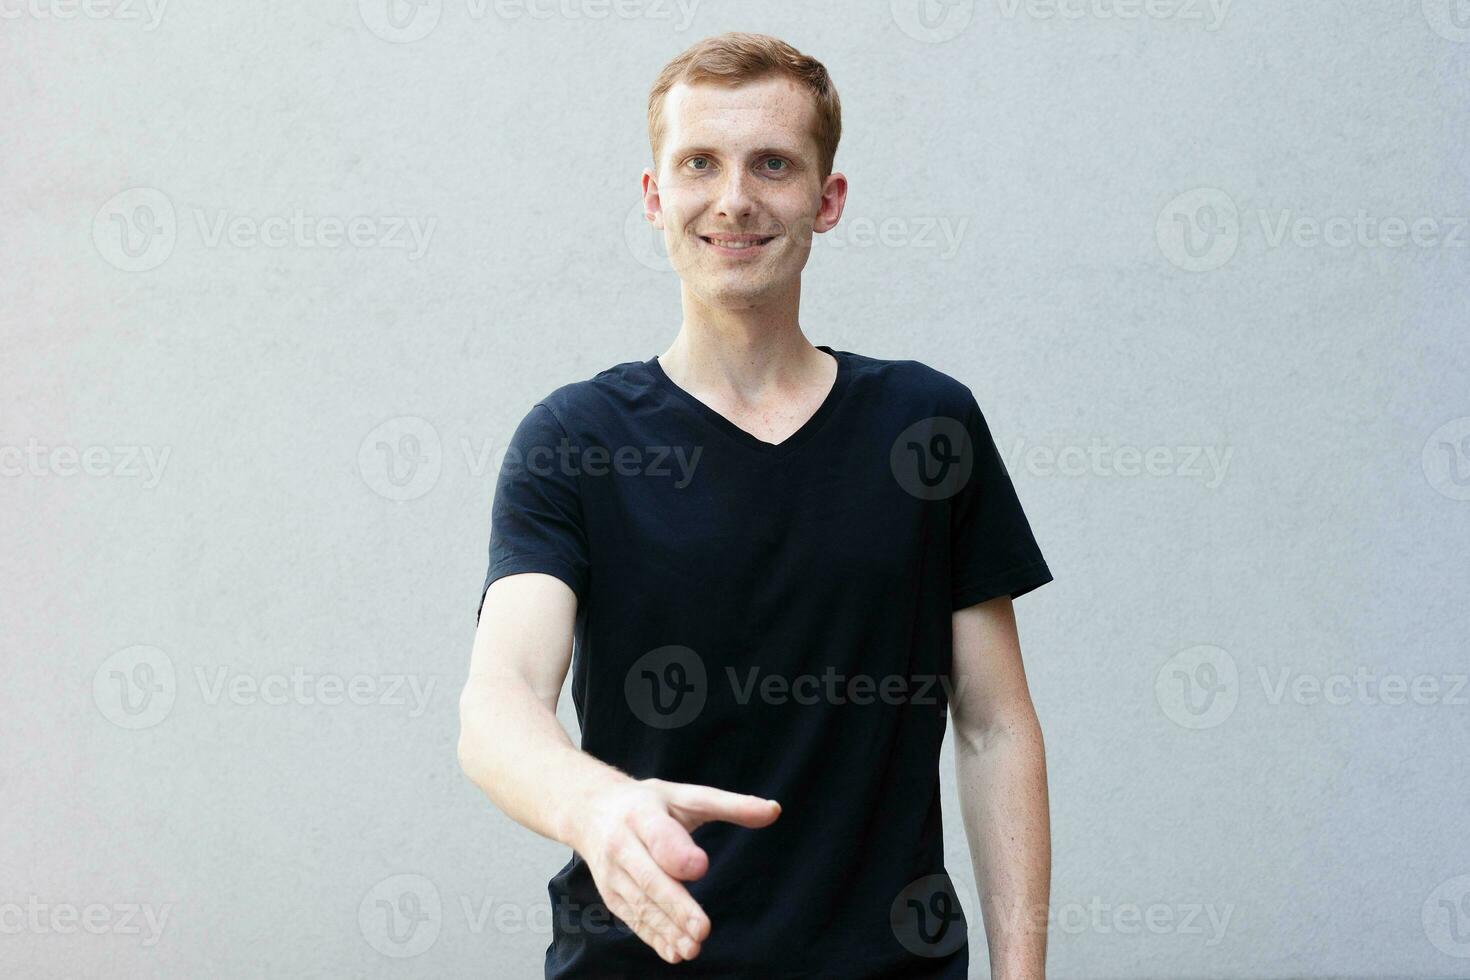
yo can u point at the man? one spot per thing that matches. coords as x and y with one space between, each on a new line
778 564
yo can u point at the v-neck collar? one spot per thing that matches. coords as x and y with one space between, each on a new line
744 438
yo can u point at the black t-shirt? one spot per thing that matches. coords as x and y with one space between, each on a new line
771 619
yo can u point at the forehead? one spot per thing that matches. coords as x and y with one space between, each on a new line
768 110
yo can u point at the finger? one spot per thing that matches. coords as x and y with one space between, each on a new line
671 898
670 845
626 903
704 803
620 895
631 888
647 934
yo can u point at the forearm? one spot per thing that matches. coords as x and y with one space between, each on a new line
1001 773
512 747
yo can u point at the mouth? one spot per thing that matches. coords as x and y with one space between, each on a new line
737 244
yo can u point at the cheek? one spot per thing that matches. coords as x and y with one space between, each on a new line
680 205
796 213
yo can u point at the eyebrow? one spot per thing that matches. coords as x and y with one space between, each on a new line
781 151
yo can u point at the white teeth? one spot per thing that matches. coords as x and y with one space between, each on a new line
737 246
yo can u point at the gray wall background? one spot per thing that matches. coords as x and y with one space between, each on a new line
248 461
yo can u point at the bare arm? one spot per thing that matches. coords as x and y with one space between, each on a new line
1000 764
510 739
634 834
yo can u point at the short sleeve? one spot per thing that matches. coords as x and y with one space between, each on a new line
536 518
992 549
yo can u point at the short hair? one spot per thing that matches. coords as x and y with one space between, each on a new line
736 57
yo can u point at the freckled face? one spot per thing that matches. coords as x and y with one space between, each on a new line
738 193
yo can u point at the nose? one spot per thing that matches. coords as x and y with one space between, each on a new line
735 196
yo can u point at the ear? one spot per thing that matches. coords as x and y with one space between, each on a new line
652 207
834 199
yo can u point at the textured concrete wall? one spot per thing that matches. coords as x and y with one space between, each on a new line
278 280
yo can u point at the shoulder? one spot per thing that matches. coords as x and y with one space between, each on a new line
582 406
908 381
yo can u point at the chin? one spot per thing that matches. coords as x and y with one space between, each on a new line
727 293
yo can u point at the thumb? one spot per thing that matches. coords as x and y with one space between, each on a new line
693 805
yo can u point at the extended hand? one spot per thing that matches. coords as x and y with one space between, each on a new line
636 841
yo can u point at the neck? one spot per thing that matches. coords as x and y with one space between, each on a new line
746 352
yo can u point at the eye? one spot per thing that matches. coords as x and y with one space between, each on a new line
690 162
779 161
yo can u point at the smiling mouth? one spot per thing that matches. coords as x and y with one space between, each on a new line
736 244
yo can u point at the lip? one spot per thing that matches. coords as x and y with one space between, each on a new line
744 252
